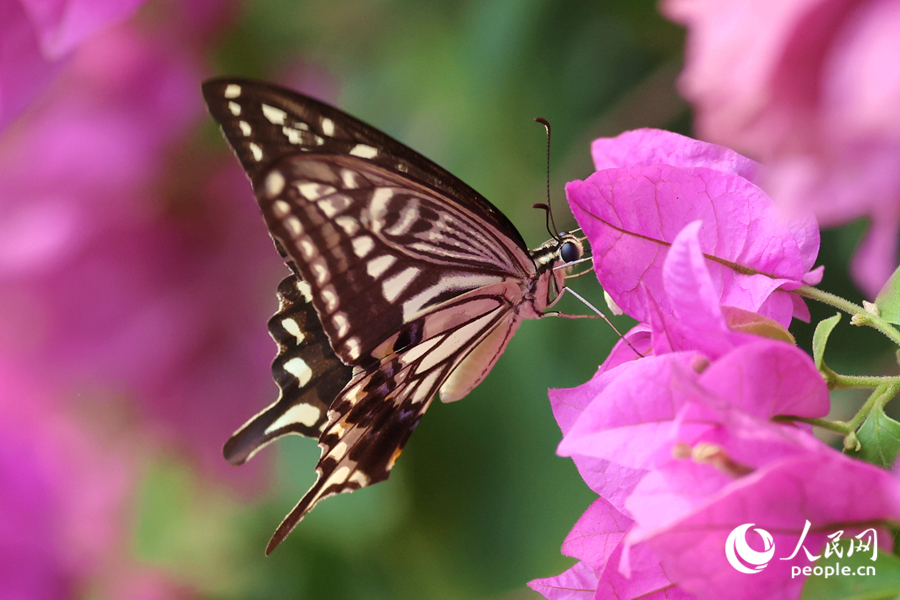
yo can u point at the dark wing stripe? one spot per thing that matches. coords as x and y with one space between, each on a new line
308 374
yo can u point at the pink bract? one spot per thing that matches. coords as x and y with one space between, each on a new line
633 212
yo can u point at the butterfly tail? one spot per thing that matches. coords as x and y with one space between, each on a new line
308 374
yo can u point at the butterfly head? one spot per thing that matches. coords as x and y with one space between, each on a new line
561 250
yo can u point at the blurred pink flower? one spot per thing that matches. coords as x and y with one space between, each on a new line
35 37
812 89
66 481
123 275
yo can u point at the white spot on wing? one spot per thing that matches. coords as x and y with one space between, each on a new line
362 245
232 90
359 477
281 208
353 349
394 285
304 289
363 151
348 224
338 477
408 216
351 179
377 266
320 272
327 126
341 324
294 227
299 369
293 135
334 204
256 151
313 191
274 115
234 108
330 298
245 127
339 450
305 414
293 328
379 202
307 248
274 183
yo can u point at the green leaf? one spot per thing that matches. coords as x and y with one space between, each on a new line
888 300
883 584
880 439
820 338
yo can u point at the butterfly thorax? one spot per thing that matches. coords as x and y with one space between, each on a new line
548 259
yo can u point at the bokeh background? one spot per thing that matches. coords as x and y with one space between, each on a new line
136 278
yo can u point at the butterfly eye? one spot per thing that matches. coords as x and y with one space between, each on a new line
569 252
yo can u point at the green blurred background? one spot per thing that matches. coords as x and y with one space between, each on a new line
479 504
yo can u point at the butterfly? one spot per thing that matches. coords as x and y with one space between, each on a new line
405 282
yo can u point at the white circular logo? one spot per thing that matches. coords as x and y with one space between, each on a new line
739 552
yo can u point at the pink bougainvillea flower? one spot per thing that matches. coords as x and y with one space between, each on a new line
596 541
636 407
35 37
624 425
650 185
743 468
810 88
772 476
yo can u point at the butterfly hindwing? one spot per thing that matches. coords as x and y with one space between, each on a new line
308 374
375 414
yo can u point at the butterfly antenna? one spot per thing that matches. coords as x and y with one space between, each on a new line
546 207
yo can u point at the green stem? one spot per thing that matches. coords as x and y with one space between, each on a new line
835 426
843 382
878 397
860 315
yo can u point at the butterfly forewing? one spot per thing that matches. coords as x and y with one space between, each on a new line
263 122
376 249
417 282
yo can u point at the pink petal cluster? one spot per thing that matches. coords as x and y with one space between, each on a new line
37 35
812 88
685 242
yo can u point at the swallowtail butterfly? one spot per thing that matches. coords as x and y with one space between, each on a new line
405 282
